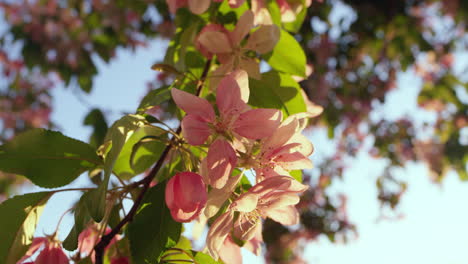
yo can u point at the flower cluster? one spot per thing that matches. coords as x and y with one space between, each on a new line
256 141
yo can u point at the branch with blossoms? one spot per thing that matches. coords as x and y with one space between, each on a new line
234 161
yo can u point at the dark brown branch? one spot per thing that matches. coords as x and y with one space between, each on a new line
106 239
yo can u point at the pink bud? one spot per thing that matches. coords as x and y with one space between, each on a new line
53 253
186 196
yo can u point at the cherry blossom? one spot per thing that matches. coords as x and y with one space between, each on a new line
274 197
228 47
52 251
285 150
185 196
234 118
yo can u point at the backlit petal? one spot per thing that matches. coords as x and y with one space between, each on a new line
264 39
257 123
192 104
285 215
243 27
199 6
229 95
195 130
221 160
215 42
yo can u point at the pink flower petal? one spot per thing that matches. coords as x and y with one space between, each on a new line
251 66
52 254
254 245
281 135
199 6
257 123
264 39
195 130
293 161
208 28
243 27
229 95
235 3
221 160
185 196
286 215
215 42
247 202
194 105
230 252
219 230
35 245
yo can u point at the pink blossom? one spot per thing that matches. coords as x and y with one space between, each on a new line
228 47
230 252
274 197
52 251
234 118
285 150
185 196
220 161
88 239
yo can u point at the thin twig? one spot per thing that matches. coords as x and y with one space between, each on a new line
106 239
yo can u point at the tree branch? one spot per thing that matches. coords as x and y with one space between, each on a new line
106 239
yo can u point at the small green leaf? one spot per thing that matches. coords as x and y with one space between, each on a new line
287 56
18 219
48 158
118 134
154 98
81 220
296 174
277 90
136 157
95 118
204 258
153 230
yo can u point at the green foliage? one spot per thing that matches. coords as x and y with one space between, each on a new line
277 90
19 217
287 56
48 158
188 25
82 218
116 137
95 118
153 230
154 98
141 150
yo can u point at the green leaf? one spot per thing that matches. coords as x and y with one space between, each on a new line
277 90
81 220
154 98
19 217
137 155
118 134
296 174
204 258
95 118
48 158
153 230
287 56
